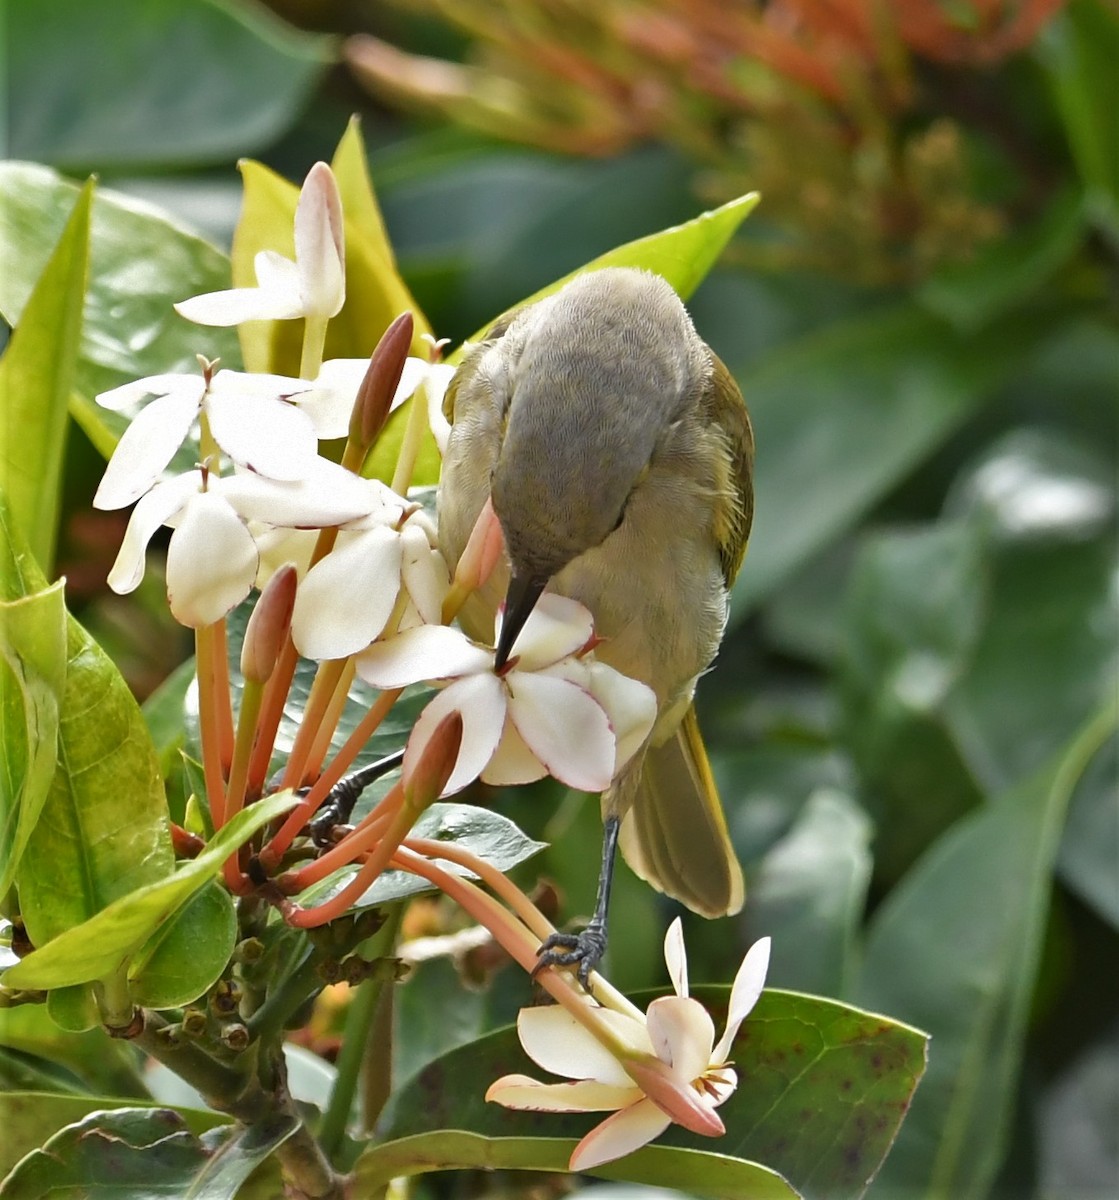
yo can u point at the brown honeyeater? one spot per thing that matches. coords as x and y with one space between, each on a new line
619 456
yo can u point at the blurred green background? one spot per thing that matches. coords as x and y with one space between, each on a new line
922 315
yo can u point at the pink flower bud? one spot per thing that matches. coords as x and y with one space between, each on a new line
268 626
375 396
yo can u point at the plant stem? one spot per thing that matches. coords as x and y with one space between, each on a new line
359 1021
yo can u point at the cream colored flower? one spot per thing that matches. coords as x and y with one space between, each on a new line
676 1071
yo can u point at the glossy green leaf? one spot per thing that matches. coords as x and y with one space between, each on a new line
1047 503
37 374
914 607
101 1064
1090 846
103 830
489 835
853 1072
73 1009
1009 270
140 263
955 947
238 1157
682 254
1079 49
842 415
186 956
118 1154
711 1173
32 678
98 947
809 892
29 1119
206 81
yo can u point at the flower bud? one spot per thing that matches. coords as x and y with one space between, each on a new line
320 244
482 551
677 1099
375 396
268 626
424 784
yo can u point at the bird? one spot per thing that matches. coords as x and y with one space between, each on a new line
618 453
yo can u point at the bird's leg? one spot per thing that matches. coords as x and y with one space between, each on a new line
586 948
342 797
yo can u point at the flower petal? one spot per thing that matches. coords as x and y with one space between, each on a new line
153 510
630 705
326 495
435 388
556 628
423 573
211 561
744 993
265 434
237 305
480 700
429 652
319 244
513 762
620 1134
126 397
682 1034
564 727
146 447
558 1042
330 400
583 1095
676 958
346 597
278 274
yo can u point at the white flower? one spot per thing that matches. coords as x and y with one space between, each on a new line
329 399
314 285
548 712
212 558
250 418
678 1031
348 596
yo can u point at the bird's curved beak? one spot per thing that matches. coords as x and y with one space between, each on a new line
520 600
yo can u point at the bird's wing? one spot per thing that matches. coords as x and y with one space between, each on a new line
734 512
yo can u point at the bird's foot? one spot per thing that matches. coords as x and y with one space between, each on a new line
583 951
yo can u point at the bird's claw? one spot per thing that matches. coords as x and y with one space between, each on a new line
583 951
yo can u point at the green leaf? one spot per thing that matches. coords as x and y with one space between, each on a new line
30 1118
854 1072
239 1156
229 78
914 608
1090 846
101 1064
713 1174
682 254
102 944
32 678
140 263
1009 270
1046 502
489 835
842 415
1079 48
73 1009
122 1154
184 958
809 892
955 947
103 829
36 375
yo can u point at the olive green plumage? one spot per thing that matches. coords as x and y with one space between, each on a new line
619 455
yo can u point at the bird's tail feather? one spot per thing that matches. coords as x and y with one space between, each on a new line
675 835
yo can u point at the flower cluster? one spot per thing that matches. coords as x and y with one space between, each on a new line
351 576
